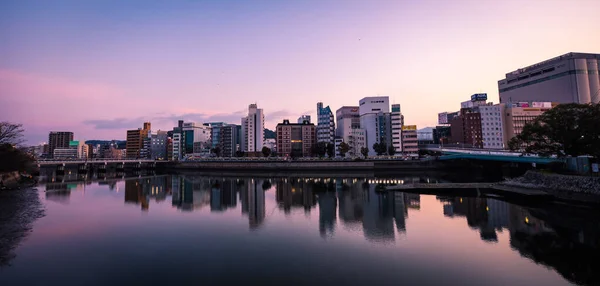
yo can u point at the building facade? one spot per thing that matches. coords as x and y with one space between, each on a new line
397 120
75 150
303 118
58 139
158 145
492 126
518 114
325 124
135 141
374 114
253 130
410 146
569 78
466 129
295 140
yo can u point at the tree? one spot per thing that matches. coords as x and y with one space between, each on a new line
14 159
11 133
330 150
391 151
266 185
344 148
380 148
319 149
364 151
266 151
565 130
216 151
239 154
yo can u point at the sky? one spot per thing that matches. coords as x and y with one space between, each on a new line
98 68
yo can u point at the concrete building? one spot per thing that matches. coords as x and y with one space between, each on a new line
271 143
492 126
215 132
397 120
425 136
325 124
572 77
230 140
158 145
135 141
75 150
295 140
466 129
58 139
196 138
516 115
347 118
303 118
375 119
253 126
410 143
357 140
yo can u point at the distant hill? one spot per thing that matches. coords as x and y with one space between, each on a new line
269 134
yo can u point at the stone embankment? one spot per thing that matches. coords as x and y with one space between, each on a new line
10 180
557 183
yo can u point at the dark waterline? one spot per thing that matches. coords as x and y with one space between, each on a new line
297 231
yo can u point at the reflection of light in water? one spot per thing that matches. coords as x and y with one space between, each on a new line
526 220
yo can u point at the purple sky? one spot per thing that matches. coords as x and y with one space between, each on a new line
98 68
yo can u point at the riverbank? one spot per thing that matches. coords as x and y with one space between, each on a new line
14 180
565 187
18 210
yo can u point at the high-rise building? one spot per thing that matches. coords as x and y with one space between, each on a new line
75 150
196 138
325 124
572 77
410 140
158 145
397 123
303 118
58 139
347 118
229 139
253 127
135 141
348 129
375 119
466 129
295 140
492 127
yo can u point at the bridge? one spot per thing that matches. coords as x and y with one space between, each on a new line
64 162
452 153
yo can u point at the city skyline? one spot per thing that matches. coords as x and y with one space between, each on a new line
100 69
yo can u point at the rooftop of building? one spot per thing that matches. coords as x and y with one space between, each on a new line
287 122
552 61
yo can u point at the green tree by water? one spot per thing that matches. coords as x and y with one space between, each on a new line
344 148
364 151
266 151
565 130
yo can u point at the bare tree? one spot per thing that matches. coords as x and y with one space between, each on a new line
11 133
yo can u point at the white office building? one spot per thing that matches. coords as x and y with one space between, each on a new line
397 123
253 129
325 124
492 127
375 120
570 78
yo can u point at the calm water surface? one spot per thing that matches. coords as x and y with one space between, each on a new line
169 230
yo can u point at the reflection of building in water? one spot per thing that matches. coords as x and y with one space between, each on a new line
327 206
253 202
141 191
223 195
486 215
351 204
400 210
190 192
134 194
378 220
295 193
59 192
412 201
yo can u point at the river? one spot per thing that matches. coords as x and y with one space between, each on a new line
211 230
